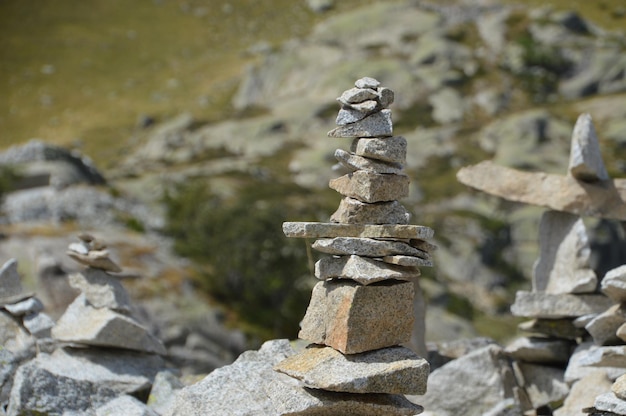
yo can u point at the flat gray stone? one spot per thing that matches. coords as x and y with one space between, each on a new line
353 211
353 318
125 406
331 230
608 402
371 187
77 381
354 162
601 200
585 163
472 385
603 328
614 356
101 289
555 306
357 95
367 82
388 149
378 124
408 261
578 366
352 113
83 324
395 370
560 328
564 262
541 350
614 284
362 270
25 307
367 247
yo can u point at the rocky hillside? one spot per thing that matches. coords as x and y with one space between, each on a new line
473 81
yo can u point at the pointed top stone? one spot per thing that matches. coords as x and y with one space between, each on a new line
10 284
585 163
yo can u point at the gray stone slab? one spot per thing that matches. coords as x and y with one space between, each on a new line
613 356
355 162
560 328
352 113
331 230
585 161
38 324
564 262
367 82
388 149
357 95
83 324
367 247
125 406
353 211
371 187
11 284
98 259
555 306
583 393
25 307
353 318
362 270
395 370
578 367
543 384
378 124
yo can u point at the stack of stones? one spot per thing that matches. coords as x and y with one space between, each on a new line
17 306
101 315
362 310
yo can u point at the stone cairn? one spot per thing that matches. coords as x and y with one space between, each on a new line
362 309
101 315
23 308
571 310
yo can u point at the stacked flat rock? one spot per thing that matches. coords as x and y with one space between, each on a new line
22 319
362 309
574 323
101 315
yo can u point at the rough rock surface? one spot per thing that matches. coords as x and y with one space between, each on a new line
362 270
395 370
549 306
353 318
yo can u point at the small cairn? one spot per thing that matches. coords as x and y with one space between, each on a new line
22 306
362 309
101 315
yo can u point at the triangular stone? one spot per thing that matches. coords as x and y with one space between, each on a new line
362 270
585 163
11 284
395 370
84 324
353 318
565 253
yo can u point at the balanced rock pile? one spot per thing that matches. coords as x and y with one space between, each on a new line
578 320
100 359
362 310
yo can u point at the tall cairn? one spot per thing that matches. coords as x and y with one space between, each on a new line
362 309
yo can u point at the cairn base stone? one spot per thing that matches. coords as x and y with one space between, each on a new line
395 370
551 306
353 318
371 187
84 324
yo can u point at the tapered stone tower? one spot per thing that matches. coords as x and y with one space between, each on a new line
362 309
